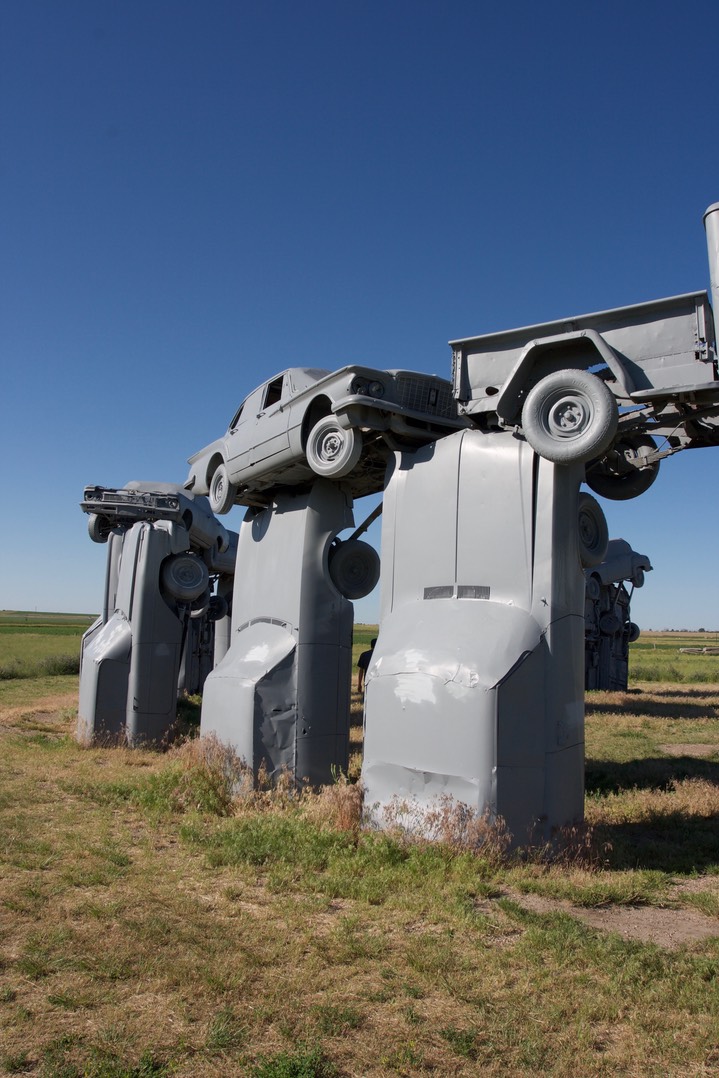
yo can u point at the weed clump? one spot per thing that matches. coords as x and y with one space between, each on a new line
203 775
59 665
577 846
12 671
302 1064
450 823
338 806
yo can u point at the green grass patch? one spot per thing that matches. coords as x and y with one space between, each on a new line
41 619
310 1063
32 656
656 657
40 645
155 925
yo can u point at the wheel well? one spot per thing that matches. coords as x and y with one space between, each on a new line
584 357
319 409
213 466
543 359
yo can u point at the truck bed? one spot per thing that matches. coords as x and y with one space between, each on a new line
661 348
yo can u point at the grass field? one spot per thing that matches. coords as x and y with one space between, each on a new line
656 657
151 925
33 645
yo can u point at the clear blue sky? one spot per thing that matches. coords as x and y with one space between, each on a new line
197 195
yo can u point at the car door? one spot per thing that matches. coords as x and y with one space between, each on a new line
240 437
271 435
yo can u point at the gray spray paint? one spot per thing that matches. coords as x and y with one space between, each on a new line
208 630
711 224
133 655
281 694
475 690
608 628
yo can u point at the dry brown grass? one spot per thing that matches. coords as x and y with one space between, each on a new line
120 936
215 769
449 822
338 806
690 797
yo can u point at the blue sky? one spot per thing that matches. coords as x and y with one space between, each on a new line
197 195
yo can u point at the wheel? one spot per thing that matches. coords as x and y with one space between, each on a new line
354 568
222 492
569 417
609 624
593 587
593 531
633 632
618 476
184 577
200 606
219 608
331 450
98 528
638 578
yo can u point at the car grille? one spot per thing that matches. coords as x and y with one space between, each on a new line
426 395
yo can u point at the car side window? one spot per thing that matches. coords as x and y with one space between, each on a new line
273 393
236 418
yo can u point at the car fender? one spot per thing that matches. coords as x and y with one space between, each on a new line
510 396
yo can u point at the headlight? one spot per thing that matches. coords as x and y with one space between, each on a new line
376 389
359 387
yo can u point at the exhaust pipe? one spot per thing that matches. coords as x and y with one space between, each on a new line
711 224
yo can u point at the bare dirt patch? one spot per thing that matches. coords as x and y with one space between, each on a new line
49 706
689 750
668 928
699 885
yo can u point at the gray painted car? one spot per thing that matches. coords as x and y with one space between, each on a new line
309 422
616 390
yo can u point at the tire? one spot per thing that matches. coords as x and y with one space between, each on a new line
219 608
200 606
638 578
354 568
609 624
570 417
184 577
331 450
592 530
98 528
633 632
607 480
593 587
222 492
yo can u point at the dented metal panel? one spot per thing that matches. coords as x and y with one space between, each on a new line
153 635
475 687
281 694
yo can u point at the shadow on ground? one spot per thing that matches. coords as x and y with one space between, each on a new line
652 773
667 842
676 707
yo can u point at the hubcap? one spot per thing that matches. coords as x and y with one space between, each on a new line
588 530
331 445
568 416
